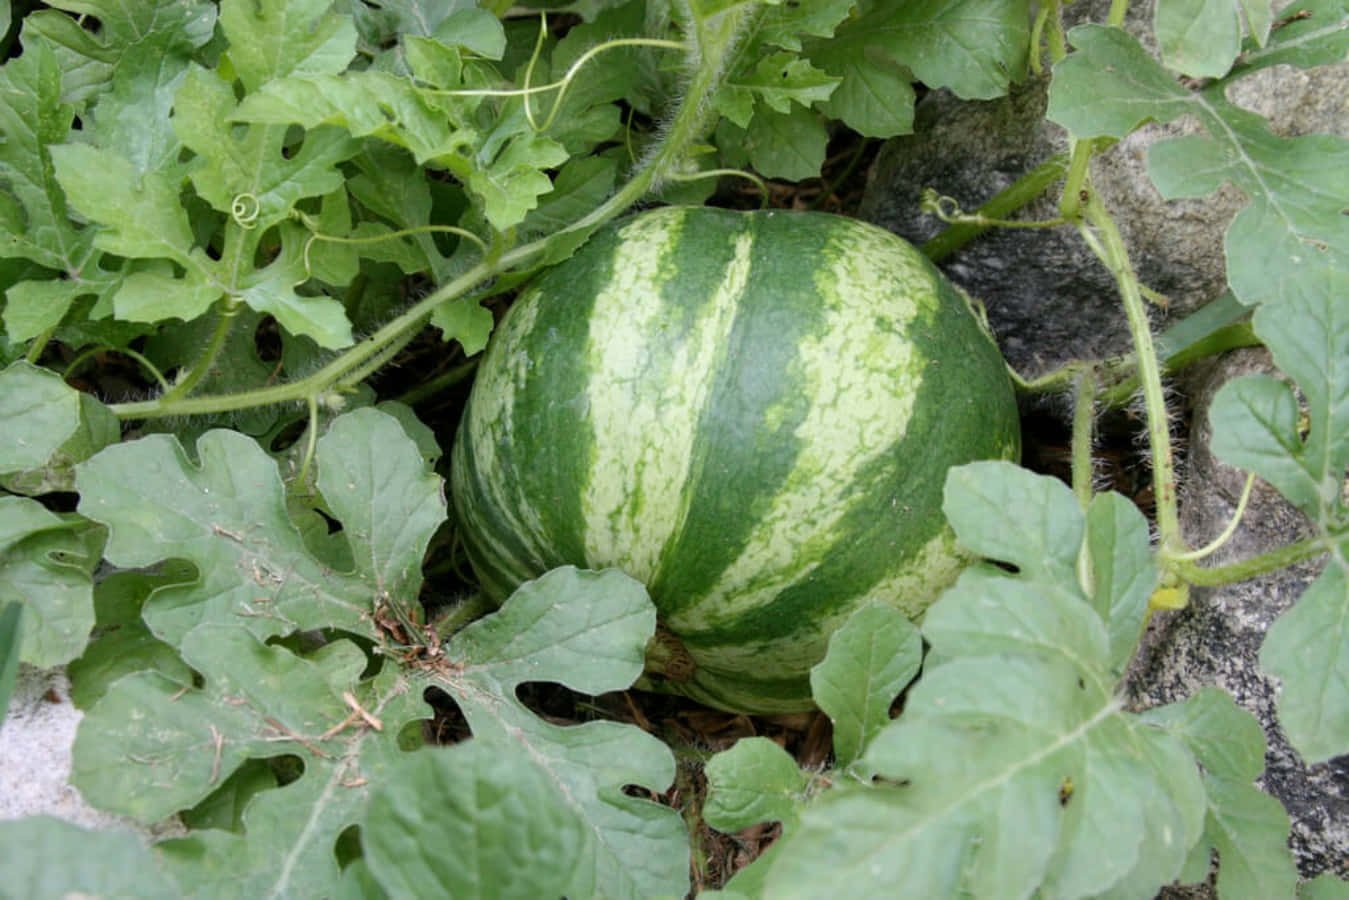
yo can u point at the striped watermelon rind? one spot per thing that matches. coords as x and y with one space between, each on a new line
753 414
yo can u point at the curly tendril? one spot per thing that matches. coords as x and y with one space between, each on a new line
245 210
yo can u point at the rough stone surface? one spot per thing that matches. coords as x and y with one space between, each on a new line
1216 639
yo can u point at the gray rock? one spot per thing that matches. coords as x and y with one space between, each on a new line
1216 639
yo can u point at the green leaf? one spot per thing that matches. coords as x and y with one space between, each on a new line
397 17
1291 241
983 500
11 639
588 631
274 38
1226 739
1258 425
1307 649
789 146
510 186
1316 39
580 185
248 169
473 820
256 701
464 321
122 643
272 290
50 427
1012 767
475 30
783 24
48 859
1123 574
974 47
34 223
1324 887
870 659
153 293
1110 86
367 104
1309 339
875 97
1200 38
778 80
1255 421
149 46
47 564
228 517
1249 829
141 213
35 307
754 781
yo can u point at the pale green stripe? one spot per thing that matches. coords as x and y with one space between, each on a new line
910 590
644 430
913 586
863 380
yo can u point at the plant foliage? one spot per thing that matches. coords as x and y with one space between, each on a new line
218 221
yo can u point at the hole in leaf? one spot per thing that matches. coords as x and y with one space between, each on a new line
267 340
287 768
448 724
223 808
287 436
557 704
641 793
347 847
1006 566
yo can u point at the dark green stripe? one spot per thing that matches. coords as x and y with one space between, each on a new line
740 461
964 411
478 517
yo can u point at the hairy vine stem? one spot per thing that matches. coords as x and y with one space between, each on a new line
1110 242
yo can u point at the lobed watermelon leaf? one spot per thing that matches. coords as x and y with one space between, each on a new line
477 819
1013 766
1301 447
870 660
1247 827
233 611
47 562
1288 255
588 631
228 517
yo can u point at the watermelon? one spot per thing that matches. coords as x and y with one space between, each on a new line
752 414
